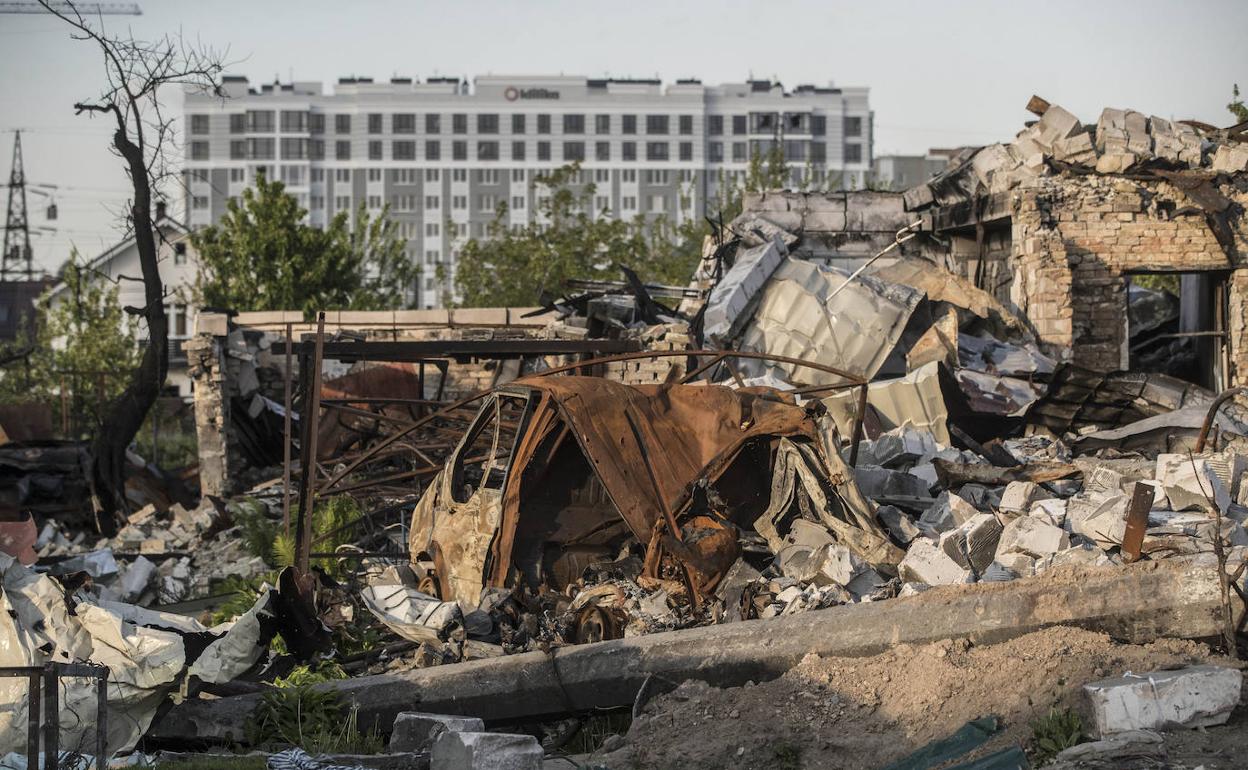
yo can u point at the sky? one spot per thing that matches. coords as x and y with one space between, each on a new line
941 73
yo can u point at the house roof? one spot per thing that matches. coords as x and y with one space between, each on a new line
164 223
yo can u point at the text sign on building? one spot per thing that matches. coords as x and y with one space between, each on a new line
512 93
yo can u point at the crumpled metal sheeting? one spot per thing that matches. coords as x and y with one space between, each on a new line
941 285
992 356
144 650
804 313
415 616
992 394
732 295
1169 432
914 401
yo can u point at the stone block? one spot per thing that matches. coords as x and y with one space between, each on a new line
485 751
1032 537
925 562
1115 162
1191 483
898 523
1051 511
215 324
876 482
1230 159
1019 563
1103 520
415 731
1018 496
1196 696
973 544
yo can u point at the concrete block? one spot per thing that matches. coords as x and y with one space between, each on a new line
898 523
1230 159
1032 537
926 563
216 324
485 751
973 544
1115 162
1104 520
1051 511
948 512
1196 696
1018 496
415 731
1020 564
1191 483
876 482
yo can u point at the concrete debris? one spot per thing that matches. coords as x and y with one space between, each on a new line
485 751
1197 696
415 731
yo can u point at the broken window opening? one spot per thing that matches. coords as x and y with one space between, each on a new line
1176 325
481 460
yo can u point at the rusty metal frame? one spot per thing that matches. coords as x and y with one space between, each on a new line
1222 398
48 702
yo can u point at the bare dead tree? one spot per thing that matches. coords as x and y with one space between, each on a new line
134 73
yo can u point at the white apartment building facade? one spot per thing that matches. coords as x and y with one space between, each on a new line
444 156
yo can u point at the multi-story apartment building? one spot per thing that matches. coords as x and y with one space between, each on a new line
444 157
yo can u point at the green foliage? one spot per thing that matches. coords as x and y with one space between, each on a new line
84 349
243 594
1237 106
1054 733
331 520
1170 282
262 256
306 676
258 530
314 720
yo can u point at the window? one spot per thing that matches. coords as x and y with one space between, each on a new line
342 150
517 124
818 125
573 124
403 150
517 150
795 150
686 124
375 150
179 253
573 151
459 150
374 175
403 123
628 175
316 149
342 175
602 175
543 150
543 124
853 153
628 151
342 124
602 202
818 152
487 176
294 149
403 202
433 150
433 124
238 123
738 124
459 123
199 124
764 122
403 176
656 124
628 203
374 201
318 202
487 123
517 175
715 152
459 175
602 151
433 202
238 149
459 202
238 175
853 125
432 175
629 124
517 202
715 125
260 149
432 230
293 175
740 152
686 150
342 202
654 176
199 202
260 121
432 256
686 175
487 202
374 122
656 150
294 122
657 204
318 175
602 124
316 123
487 150
199 151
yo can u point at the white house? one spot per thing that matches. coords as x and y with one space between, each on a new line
178 272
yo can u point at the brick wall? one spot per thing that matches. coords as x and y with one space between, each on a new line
1075 240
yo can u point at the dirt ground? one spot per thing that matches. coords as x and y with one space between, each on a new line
867 712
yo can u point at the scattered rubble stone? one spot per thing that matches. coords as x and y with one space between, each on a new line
1196 696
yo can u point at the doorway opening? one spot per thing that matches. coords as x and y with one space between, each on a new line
1176 325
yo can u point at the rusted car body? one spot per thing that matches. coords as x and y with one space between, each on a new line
557 473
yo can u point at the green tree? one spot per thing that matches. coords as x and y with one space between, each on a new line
263 256
1237 106
80 355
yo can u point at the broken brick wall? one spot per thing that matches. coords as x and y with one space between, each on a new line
1075 241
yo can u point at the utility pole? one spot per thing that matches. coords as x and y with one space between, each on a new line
17 225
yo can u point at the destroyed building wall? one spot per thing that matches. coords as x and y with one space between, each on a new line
1076 241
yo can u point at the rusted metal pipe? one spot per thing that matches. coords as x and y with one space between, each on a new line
1222 398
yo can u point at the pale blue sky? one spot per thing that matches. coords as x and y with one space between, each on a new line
940 73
